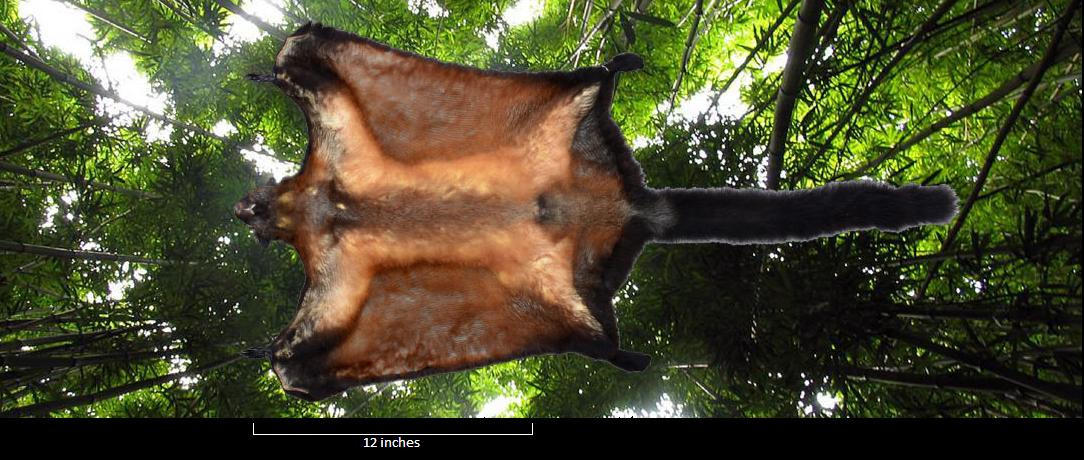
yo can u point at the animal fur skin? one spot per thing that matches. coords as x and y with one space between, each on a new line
450 217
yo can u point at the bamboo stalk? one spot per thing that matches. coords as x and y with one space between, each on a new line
801 45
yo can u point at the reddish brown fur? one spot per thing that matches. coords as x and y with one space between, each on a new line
445 263
450 217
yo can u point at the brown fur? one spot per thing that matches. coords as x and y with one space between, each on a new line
417 217
449 217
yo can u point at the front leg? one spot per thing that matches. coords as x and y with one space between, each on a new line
328 314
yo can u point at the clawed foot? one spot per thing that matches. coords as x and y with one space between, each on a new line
257 353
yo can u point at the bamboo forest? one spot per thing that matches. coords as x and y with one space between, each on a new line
128 131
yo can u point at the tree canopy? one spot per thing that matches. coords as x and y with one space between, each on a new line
128 130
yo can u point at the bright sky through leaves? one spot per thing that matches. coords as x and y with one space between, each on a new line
66 28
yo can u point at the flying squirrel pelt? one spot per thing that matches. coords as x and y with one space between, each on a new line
450 217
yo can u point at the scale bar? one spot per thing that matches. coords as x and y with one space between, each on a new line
254 433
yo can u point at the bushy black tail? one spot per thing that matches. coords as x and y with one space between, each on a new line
749 216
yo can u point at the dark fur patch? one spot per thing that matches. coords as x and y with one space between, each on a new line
762 216
625 62
631 361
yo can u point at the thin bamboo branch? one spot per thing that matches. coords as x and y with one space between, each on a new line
1069 243
15 246
831 27
53 177
1058 411
1019 182
380 389
602 41
1045 63
102 16
574 59
1060 391
761 42
17 344
45 408
96 89
1003 91
45 140
983 314
81 345
15 383
935 381
690 42
18 41
689 366
586 17
60 296
711 394
260 23
13 325
568 18
287 14
688 14
175 9
860 101
862 15
827 36
1028 11
940 28
38 362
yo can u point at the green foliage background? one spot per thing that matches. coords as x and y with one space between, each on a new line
985 324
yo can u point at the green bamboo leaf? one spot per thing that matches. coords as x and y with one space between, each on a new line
650 19
929 179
